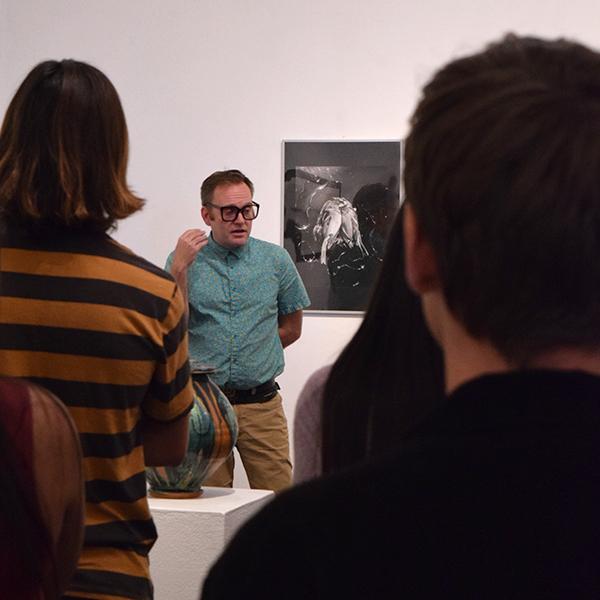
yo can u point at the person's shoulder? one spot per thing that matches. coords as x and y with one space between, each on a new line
312 389
51 416
312 526
319 377
24 391
279 536
269 248
333 498
268 254
130 257
140 273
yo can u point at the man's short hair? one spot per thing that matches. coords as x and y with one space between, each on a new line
229 177
503 172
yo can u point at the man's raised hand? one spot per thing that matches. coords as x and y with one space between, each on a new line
188 245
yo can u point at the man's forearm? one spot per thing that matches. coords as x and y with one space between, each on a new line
290 327
287 337
181 278
164 444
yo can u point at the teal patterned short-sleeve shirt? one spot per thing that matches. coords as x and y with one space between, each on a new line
235 297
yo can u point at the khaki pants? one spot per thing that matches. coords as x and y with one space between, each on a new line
263 446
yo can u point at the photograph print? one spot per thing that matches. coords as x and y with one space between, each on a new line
340 199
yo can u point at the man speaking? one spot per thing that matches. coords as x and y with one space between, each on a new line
245 301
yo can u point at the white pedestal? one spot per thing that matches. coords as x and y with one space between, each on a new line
193 533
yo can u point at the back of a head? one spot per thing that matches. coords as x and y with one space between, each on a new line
63 150
503 173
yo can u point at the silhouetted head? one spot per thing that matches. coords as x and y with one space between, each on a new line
503 175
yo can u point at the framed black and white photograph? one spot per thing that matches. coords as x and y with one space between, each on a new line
340 199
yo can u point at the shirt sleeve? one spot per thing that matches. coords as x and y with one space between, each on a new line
292 294
169 262
308 434
170 394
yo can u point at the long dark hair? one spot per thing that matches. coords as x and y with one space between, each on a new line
63 150
389 376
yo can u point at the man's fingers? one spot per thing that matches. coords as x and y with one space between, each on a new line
196 241
193 236
192 232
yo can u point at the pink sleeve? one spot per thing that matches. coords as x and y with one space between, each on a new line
307 427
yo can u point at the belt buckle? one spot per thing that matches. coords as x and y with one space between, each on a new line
229 392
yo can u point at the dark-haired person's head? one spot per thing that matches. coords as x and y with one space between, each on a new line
63 150
502 177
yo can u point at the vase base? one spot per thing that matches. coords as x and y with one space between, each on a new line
180 495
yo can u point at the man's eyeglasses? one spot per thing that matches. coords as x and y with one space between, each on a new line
230 213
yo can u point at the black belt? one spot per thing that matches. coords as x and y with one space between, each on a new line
260 393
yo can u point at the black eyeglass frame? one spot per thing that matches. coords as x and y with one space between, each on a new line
237 211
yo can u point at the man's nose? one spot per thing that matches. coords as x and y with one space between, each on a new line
239 218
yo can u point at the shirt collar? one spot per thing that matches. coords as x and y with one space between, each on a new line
223 252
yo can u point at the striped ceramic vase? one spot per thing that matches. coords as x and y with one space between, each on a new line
213 433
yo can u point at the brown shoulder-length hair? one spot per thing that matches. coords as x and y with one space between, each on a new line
63 150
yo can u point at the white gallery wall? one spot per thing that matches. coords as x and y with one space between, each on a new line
212 84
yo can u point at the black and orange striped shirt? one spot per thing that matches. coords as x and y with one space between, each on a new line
105 331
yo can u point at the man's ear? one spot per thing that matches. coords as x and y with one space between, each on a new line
205 215
420 266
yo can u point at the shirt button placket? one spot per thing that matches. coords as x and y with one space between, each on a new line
233 299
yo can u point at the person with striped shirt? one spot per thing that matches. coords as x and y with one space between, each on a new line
83 316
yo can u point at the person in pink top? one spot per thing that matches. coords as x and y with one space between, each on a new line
386 380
